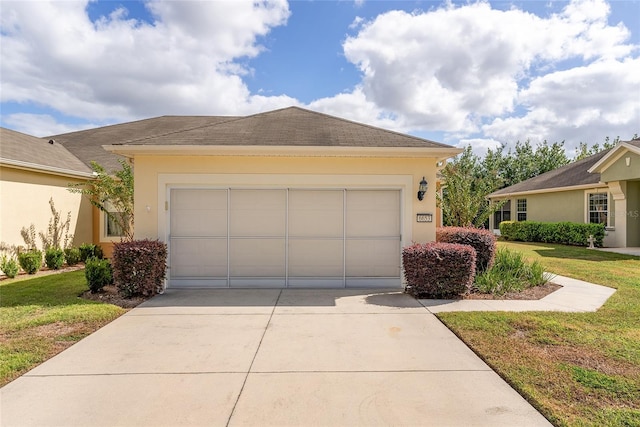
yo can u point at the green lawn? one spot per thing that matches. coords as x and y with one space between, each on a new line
41 316
578 369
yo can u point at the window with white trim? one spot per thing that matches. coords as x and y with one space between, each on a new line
598 208
521 206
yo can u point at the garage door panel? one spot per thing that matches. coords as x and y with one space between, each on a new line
373 213
257 213
316 258
197 212
316 213
198 258
373 258
257 257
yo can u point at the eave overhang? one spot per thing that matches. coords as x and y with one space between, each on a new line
33 167
596 185
439 153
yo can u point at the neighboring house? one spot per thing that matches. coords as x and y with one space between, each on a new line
603 188
32 171
287 198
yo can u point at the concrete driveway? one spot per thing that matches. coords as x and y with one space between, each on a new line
268 357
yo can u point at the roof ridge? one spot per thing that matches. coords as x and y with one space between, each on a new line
231 118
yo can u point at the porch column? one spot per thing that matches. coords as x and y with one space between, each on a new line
618 190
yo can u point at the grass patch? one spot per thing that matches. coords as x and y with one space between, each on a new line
578 369
41 316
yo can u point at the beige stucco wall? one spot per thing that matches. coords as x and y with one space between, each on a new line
24 199
619 171
554 207
153 174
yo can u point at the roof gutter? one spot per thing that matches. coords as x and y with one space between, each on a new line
440 153
43 168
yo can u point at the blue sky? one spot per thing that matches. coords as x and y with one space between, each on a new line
479 73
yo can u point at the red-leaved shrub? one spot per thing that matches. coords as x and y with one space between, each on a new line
483 241
139 267
437 270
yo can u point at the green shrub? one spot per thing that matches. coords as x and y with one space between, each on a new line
139 267
483 241
437 270
566 233
54 258
88 250
9 266
30 261
72 256
510 273
98 274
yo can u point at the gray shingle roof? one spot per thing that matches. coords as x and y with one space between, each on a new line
87 144
291 126
28 151
570 175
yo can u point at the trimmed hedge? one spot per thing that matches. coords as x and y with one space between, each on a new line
72 256
89 250
98 273
139 267
483 241
437 270
54 258
566 233
30 261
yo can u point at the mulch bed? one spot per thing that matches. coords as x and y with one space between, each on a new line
110 295
535 293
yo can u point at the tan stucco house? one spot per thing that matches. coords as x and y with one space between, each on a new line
33 171
603 188
287 198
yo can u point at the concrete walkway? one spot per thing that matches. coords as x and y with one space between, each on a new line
574 296
268 358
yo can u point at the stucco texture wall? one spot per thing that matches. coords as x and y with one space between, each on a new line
152 173
24 200
554 207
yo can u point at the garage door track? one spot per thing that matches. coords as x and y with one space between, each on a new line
268 357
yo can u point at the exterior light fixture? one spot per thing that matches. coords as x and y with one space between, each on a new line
422 188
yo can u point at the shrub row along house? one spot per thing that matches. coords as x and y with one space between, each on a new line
603 189
287 198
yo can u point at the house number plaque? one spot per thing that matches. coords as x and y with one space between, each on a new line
424 217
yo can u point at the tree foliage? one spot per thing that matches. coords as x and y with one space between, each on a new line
467 182
112 194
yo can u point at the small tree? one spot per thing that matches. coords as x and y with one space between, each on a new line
463 201
112 194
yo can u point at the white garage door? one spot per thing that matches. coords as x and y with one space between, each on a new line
284 238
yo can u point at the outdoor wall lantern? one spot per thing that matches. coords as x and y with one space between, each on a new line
422 188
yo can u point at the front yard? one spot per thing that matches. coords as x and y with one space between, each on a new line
40 317
576 368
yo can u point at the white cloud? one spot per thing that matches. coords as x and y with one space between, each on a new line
582 104
43 124
185 62
472 69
